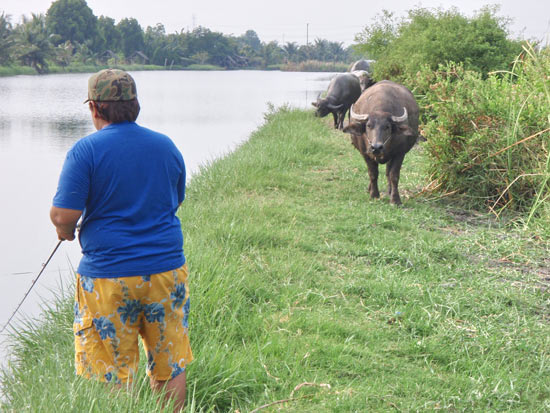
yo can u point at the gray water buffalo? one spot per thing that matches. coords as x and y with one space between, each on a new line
343 91
365 80
383 128
360 65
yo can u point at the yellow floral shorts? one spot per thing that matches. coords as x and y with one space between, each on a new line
110 314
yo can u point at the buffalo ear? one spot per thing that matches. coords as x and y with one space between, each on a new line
405 130
354 128
316 104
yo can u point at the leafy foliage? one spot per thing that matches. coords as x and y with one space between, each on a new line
71 20
490 138
32 46
6 40
432 37
109 37
131 36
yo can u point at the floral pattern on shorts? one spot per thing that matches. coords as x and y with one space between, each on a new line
111 313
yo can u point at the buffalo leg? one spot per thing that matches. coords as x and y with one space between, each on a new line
388 169
394 168
341 117
373 176
335 117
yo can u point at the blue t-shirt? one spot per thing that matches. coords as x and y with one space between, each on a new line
128 181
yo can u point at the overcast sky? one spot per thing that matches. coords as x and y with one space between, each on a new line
290 20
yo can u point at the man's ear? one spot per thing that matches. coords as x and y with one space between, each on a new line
354 128
93 109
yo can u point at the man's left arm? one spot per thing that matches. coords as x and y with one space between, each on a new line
65 221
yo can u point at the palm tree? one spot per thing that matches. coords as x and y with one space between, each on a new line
337 52
320 49
32 44
291 51
6 40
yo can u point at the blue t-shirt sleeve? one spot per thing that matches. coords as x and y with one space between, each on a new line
74 181
181 184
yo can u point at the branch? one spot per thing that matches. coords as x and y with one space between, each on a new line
280 402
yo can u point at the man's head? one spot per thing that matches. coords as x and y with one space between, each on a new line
112 93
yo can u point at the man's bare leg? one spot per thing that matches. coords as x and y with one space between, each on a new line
175 389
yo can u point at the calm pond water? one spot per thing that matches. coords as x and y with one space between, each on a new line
207 114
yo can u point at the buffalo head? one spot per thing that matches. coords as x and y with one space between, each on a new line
378 130
324 107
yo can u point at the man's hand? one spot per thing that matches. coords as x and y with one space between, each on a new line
65 222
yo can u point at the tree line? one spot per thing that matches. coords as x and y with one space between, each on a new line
69 33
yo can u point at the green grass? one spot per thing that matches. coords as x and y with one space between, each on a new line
303 288
16 70
91 68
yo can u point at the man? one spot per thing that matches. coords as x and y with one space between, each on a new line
126 182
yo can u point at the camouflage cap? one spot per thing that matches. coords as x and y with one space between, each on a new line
111 85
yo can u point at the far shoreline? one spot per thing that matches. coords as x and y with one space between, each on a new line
310 66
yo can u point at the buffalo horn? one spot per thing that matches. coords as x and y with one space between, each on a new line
335 107
402 118
360 118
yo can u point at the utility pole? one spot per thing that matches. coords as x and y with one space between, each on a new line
307 34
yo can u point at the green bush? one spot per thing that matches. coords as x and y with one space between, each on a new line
433 37
490 138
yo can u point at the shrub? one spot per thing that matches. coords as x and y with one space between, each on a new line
490 138
433 37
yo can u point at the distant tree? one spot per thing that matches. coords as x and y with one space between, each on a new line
374 40
32 46
291 51
155 44
131 36
173 50
63 53
320 50
85 53
272 54
6 39
222 50
336 52
251 39
305 52
72 20
201 57
109 38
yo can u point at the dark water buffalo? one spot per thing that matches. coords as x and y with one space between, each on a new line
365 80
343 91
360 65
384 127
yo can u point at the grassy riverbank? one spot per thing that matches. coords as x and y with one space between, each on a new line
303 289
81 68
310 66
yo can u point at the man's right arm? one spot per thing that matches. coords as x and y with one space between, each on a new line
65 221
